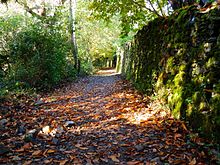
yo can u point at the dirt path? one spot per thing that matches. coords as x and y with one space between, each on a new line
100 119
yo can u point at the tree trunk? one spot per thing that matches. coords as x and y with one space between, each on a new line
72 10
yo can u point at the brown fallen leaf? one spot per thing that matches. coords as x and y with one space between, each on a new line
193 162
19 150
179 161
69 152
114 158
177 136
63 162
37 153
133 162
82 148
48 161
50 151
184 127
27 146
77 161
27 162
72 157
24 148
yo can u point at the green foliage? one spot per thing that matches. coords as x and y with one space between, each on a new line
38 57
133 13
36 50
8 27
97 40
36 54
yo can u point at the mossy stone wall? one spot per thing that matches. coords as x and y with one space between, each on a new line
178 58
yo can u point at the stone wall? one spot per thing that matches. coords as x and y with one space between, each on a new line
178 59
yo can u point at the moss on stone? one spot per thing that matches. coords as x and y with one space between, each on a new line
179 59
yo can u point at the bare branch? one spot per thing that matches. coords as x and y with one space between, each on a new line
155 11
29 10
161 10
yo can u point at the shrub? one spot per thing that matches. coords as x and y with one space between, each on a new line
39 55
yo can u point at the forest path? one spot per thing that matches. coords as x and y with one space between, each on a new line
100 119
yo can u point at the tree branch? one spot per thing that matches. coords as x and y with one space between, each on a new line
153 10
161 10
29 10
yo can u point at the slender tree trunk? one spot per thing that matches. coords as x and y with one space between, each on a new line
72 10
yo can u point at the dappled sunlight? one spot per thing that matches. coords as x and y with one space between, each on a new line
54 108
145 114
107 121
107 72
137 118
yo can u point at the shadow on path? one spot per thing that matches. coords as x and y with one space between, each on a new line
101 119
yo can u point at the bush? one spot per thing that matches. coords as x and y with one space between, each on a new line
40 55
9 26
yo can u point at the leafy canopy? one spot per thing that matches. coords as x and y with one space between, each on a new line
133 13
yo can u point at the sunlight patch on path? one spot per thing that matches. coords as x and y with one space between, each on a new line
107 72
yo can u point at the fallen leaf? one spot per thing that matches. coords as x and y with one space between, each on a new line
16 158
63 162
27 146
104 160
82 148
50 151
27 162
89 162
114 158
36 153
125 145
72 157
105 109
20 150
133 163
184 127
96 160
69 152
177 136
193 162
48 161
